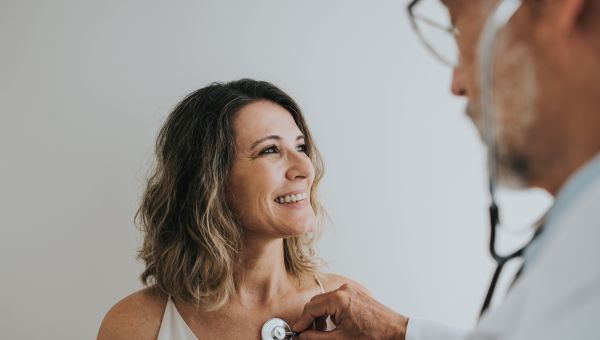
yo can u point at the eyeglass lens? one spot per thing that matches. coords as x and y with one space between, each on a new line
433 23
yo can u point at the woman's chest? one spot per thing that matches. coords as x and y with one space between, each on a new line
239 324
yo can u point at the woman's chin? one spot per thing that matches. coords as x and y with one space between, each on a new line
309 228
299 229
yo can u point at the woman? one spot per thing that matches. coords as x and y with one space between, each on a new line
230 219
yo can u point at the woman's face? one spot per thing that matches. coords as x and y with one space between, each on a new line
271 176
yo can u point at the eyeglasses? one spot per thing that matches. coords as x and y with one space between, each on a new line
431 22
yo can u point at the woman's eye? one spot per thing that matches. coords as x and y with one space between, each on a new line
302 148
270 149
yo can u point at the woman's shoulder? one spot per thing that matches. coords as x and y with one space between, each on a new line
137 316
333 281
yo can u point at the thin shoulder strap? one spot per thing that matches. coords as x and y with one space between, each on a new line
320 284
173 326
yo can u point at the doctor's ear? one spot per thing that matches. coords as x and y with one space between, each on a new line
562 17
562 28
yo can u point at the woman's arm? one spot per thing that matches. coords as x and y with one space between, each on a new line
138 316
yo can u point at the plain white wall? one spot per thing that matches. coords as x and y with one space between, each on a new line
85 85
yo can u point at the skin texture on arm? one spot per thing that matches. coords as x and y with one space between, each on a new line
138 316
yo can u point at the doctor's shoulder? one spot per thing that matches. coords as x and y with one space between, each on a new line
137 316
333 282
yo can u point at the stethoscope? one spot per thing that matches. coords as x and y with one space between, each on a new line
276 329
487 43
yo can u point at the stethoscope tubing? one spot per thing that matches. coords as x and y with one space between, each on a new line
500 16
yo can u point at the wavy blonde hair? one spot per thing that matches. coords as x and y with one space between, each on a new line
192 238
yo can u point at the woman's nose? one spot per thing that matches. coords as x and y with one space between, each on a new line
299 166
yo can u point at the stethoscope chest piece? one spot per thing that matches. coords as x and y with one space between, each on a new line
276 329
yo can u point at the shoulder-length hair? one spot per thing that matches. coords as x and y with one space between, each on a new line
192 239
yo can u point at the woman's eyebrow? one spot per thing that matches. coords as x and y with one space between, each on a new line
271 137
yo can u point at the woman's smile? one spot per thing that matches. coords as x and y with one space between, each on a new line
294 198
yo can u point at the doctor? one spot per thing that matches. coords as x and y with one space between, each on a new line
539 114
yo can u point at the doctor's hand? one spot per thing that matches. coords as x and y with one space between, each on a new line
356 315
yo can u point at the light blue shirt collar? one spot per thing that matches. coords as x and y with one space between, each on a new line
566 196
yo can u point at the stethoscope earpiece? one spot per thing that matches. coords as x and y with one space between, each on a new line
276 329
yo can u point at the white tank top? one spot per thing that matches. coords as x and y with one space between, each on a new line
173 327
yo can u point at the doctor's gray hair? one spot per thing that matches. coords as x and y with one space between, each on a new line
192 238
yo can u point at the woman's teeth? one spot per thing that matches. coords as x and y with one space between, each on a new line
291 198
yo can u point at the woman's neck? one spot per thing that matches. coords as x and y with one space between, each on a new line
261 276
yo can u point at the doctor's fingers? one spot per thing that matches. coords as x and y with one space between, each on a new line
331 303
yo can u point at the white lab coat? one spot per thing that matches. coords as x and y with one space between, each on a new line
558 295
